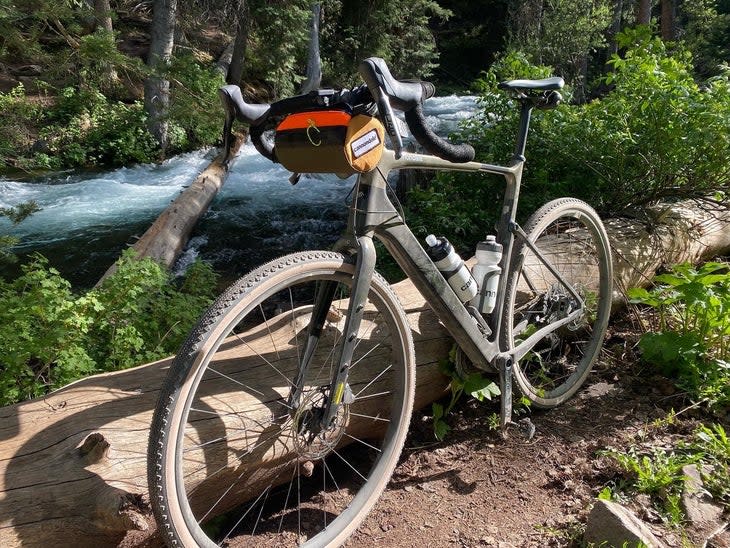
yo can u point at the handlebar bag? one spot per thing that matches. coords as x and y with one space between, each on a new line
329 141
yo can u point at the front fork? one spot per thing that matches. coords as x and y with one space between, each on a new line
339 391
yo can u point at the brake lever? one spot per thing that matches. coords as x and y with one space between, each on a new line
389 121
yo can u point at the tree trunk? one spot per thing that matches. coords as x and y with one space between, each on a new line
224 61
643 12
103 20
668 20
73 464
103 15
156 85
618 9
238 56
314 61
168 235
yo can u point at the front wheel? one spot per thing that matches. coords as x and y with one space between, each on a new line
571 236
237 456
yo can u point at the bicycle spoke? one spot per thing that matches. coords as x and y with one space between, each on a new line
254 462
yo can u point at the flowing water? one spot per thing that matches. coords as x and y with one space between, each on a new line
87 219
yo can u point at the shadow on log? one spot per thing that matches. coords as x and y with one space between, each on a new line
73 464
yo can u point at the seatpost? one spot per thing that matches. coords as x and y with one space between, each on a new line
526 106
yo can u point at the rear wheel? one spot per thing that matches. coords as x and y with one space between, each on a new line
234 459
569 233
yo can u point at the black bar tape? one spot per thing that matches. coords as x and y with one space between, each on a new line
433 143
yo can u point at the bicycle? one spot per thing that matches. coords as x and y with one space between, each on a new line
284 414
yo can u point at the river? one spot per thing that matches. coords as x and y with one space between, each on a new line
87 219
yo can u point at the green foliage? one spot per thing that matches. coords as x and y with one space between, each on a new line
656 135
707 34
278 43
713 444
16 215
396 31
100 62
692 338
50 336
86 128
17 117
195 109
658 473
539 28
473 384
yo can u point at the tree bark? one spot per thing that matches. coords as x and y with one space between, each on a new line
103 15
103 20
73 464
643 12
156 86
238 56
165 240
314 62
668 20
618 8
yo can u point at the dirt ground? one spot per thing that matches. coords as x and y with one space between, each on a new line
476 489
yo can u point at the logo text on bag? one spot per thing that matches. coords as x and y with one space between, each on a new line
366 143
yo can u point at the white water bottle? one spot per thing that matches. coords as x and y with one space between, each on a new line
486 272
452 267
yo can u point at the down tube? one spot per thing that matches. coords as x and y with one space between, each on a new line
408 253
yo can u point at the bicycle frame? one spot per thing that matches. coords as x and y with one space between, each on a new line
373 215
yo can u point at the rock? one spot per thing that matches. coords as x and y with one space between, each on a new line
611 525
27 70
704 516
597 390
41 146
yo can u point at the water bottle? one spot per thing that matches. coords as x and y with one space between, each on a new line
452 267
486 272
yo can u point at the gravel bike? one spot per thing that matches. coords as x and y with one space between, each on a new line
283 415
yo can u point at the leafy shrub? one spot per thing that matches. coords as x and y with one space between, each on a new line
691 341
473 384
658 472
656 135
50 336
89 129
464 206
17 118
195 110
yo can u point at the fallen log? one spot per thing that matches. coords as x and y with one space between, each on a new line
168 235
73 464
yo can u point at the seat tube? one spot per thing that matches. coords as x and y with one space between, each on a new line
364 269
525 114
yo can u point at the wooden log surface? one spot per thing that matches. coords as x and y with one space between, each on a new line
73 464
